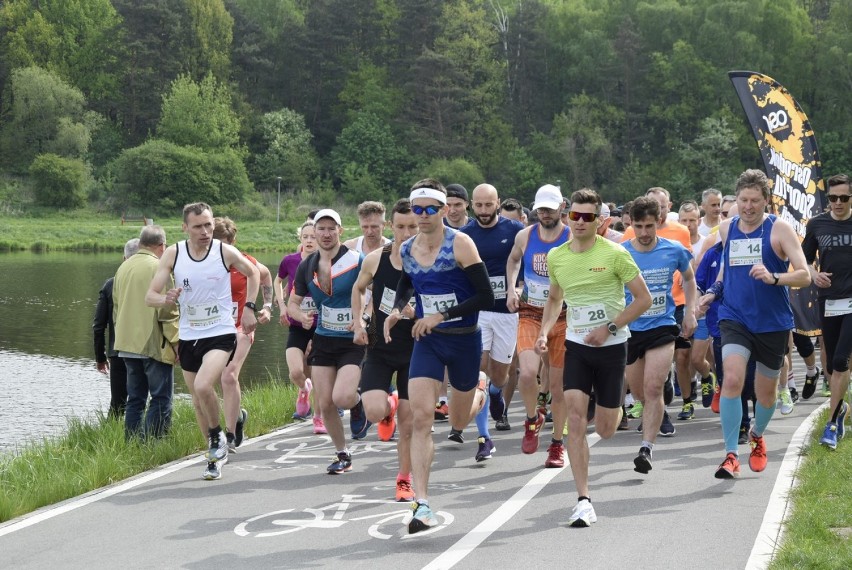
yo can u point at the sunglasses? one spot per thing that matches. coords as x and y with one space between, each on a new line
587 217
724 214
835 197
430 210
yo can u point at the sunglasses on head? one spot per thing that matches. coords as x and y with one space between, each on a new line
585 216
835 197
430 210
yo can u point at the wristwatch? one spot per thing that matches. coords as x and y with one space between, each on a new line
250 305
776 277
446 315
366 318
612 328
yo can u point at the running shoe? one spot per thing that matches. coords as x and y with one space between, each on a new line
404 492
496 403
319 426
212 472
707 385
786 402
503 424
232 447
218 448
687 412
810 385
829 436
358 421
422 518
676 386
624 424
668 390
743 437
635 412
456 435
841 420
794 395
342 463
583 515
239 431
555 455
529 444
441 411
717 396
387 427
303 401
667 429
642 461
541 402
826 387
486 449
730 467
757 459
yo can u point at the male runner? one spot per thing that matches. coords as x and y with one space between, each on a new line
711 203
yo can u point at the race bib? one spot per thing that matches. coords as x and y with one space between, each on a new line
337 320
386 304
498 285
308 306
658 304
744 252
438 304
203 315
537 293
838 307
585 319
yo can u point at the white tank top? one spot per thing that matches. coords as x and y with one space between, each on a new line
205 302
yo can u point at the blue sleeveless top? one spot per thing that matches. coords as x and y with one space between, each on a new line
754 304
441 285
536 277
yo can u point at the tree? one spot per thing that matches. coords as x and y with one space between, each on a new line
59 182
199 114
210 49
286 151
39 99
450 171
708 158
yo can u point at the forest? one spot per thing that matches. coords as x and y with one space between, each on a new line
122 104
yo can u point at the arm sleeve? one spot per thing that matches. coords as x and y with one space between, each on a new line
404 291
484 297
809 244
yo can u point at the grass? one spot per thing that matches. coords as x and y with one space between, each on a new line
818 533
93 453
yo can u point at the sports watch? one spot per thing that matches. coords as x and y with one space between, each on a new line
612 328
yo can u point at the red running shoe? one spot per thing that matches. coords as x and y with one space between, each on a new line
387 426
757 459
714 403
529 444
404 492
730 468
555 455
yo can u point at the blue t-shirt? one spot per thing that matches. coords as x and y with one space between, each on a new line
705 276
658 267
494 245
334 308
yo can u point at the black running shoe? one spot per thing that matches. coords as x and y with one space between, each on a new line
810 386
456 435
239 430
642 461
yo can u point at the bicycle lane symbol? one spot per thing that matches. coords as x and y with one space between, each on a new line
294 449
287 521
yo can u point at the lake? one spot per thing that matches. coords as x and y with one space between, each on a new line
47 361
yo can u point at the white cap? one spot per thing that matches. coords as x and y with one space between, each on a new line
604 211
328 213
548 196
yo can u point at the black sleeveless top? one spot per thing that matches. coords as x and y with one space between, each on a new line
384 290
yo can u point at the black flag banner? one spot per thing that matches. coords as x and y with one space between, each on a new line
791 160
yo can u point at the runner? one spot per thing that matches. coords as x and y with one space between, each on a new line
382 269
201 267
652 336
755 317
589 274
830 235
371 220
443 269
327 276
531 247
711 203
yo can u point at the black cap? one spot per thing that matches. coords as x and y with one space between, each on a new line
457 191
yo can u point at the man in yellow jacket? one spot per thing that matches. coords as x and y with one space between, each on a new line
145 338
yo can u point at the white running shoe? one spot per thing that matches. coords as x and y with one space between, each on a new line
583 514
786 401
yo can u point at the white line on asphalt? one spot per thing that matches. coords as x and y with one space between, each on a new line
104 493
498 518
771 531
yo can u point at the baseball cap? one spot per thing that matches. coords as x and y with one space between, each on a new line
457 191
604 211
328 213
548 196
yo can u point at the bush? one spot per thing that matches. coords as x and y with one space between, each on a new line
59 182
454 171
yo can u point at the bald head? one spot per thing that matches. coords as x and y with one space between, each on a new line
485 204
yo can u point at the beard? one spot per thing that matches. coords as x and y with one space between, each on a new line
486 219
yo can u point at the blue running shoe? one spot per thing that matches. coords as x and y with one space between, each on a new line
667 429
342 464
841 419
496 403
358 421
422 519
829 436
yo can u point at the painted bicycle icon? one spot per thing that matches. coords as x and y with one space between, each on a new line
385 525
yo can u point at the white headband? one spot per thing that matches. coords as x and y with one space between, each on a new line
428 193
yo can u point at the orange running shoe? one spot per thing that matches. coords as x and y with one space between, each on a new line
529 444
404 492
714 403
730 468
441 411
387 426
757 459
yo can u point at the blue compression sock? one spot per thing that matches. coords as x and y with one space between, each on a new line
731 410
761 418
482 418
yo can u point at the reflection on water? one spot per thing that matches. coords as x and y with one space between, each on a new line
47 366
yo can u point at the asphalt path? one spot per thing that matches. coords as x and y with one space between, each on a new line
275 507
